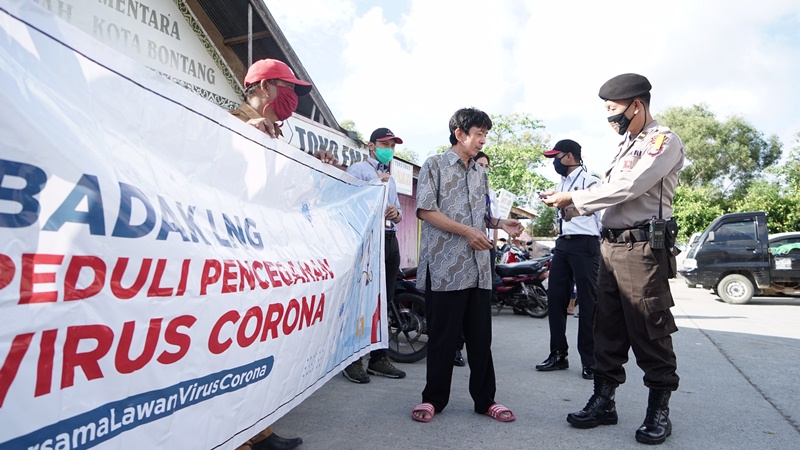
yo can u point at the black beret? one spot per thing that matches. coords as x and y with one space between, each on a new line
625 86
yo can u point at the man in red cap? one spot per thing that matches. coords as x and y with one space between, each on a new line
381 152
271 91
271 96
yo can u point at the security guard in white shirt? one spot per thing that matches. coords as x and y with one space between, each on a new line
576 258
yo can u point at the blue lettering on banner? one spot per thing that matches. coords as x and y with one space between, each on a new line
35 179
21 183
87 188
123 227
110 420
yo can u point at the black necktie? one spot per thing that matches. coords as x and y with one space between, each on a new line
383 168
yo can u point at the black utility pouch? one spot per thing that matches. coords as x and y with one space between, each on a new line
672 237
658 233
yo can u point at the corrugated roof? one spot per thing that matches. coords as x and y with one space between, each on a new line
226 23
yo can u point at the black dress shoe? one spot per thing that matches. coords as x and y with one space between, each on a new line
459 361
587 373
275 442
556 361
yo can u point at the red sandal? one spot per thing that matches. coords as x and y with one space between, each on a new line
496 412
423 408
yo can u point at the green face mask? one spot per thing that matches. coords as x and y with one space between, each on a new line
384 155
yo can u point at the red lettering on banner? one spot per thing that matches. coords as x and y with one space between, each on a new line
174 337
285 276
294 306
272 320
241 336
246 275
273 274
30 277
44 370
122 360
214 345
88 361
155 286
121 292
263 283
326 268
184 277
7 270
76 264
228 276
75 354
19 346
236 276
212 270
308 310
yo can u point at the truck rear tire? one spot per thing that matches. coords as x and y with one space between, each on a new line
735 289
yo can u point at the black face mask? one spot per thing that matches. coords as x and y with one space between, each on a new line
560 167
619 122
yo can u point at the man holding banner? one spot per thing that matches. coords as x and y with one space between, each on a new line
270 94
381 152
271 91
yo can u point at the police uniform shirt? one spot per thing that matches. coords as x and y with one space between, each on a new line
631 186
579 180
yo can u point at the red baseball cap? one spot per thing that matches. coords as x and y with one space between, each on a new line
272 69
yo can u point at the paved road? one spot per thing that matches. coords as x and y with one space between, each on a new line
739 367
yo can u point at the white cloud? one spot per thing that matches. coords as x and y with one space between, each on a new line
410 65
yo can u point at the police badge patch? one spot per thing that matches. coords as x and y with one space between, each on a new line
657 144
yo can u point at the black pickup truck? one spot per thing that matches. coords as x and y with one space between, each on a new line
737 259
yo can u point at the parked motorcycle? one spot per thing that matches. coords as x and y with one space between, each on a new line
408 330
523 286
513 254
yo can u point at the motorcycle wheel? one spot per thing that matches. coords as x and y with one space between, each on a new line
410 344
537 301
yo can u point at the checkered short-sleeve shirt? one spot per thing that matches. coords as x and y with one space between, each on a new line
460 193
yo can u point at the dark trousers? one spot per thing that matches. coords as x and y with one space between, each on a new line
632 311
447 313
574 260
492 256
392 261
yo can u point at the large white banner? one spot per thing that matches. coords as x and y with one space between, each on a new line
169 276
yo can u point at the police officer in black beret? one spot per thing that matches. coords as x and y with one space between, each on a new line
633 294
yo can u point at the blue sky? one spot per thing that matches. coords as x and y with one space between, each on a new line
410 64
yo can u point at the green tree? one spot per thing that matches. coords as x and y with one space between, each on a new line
349 125
545 222
515 145
408 155
790 172
727 154
695 208
783 210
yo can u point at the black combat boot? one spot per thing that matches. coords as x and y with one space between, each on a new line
601 409
556 361
656 426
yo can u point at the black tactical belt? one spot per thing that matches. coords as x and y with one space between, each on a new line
577 236
623 235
